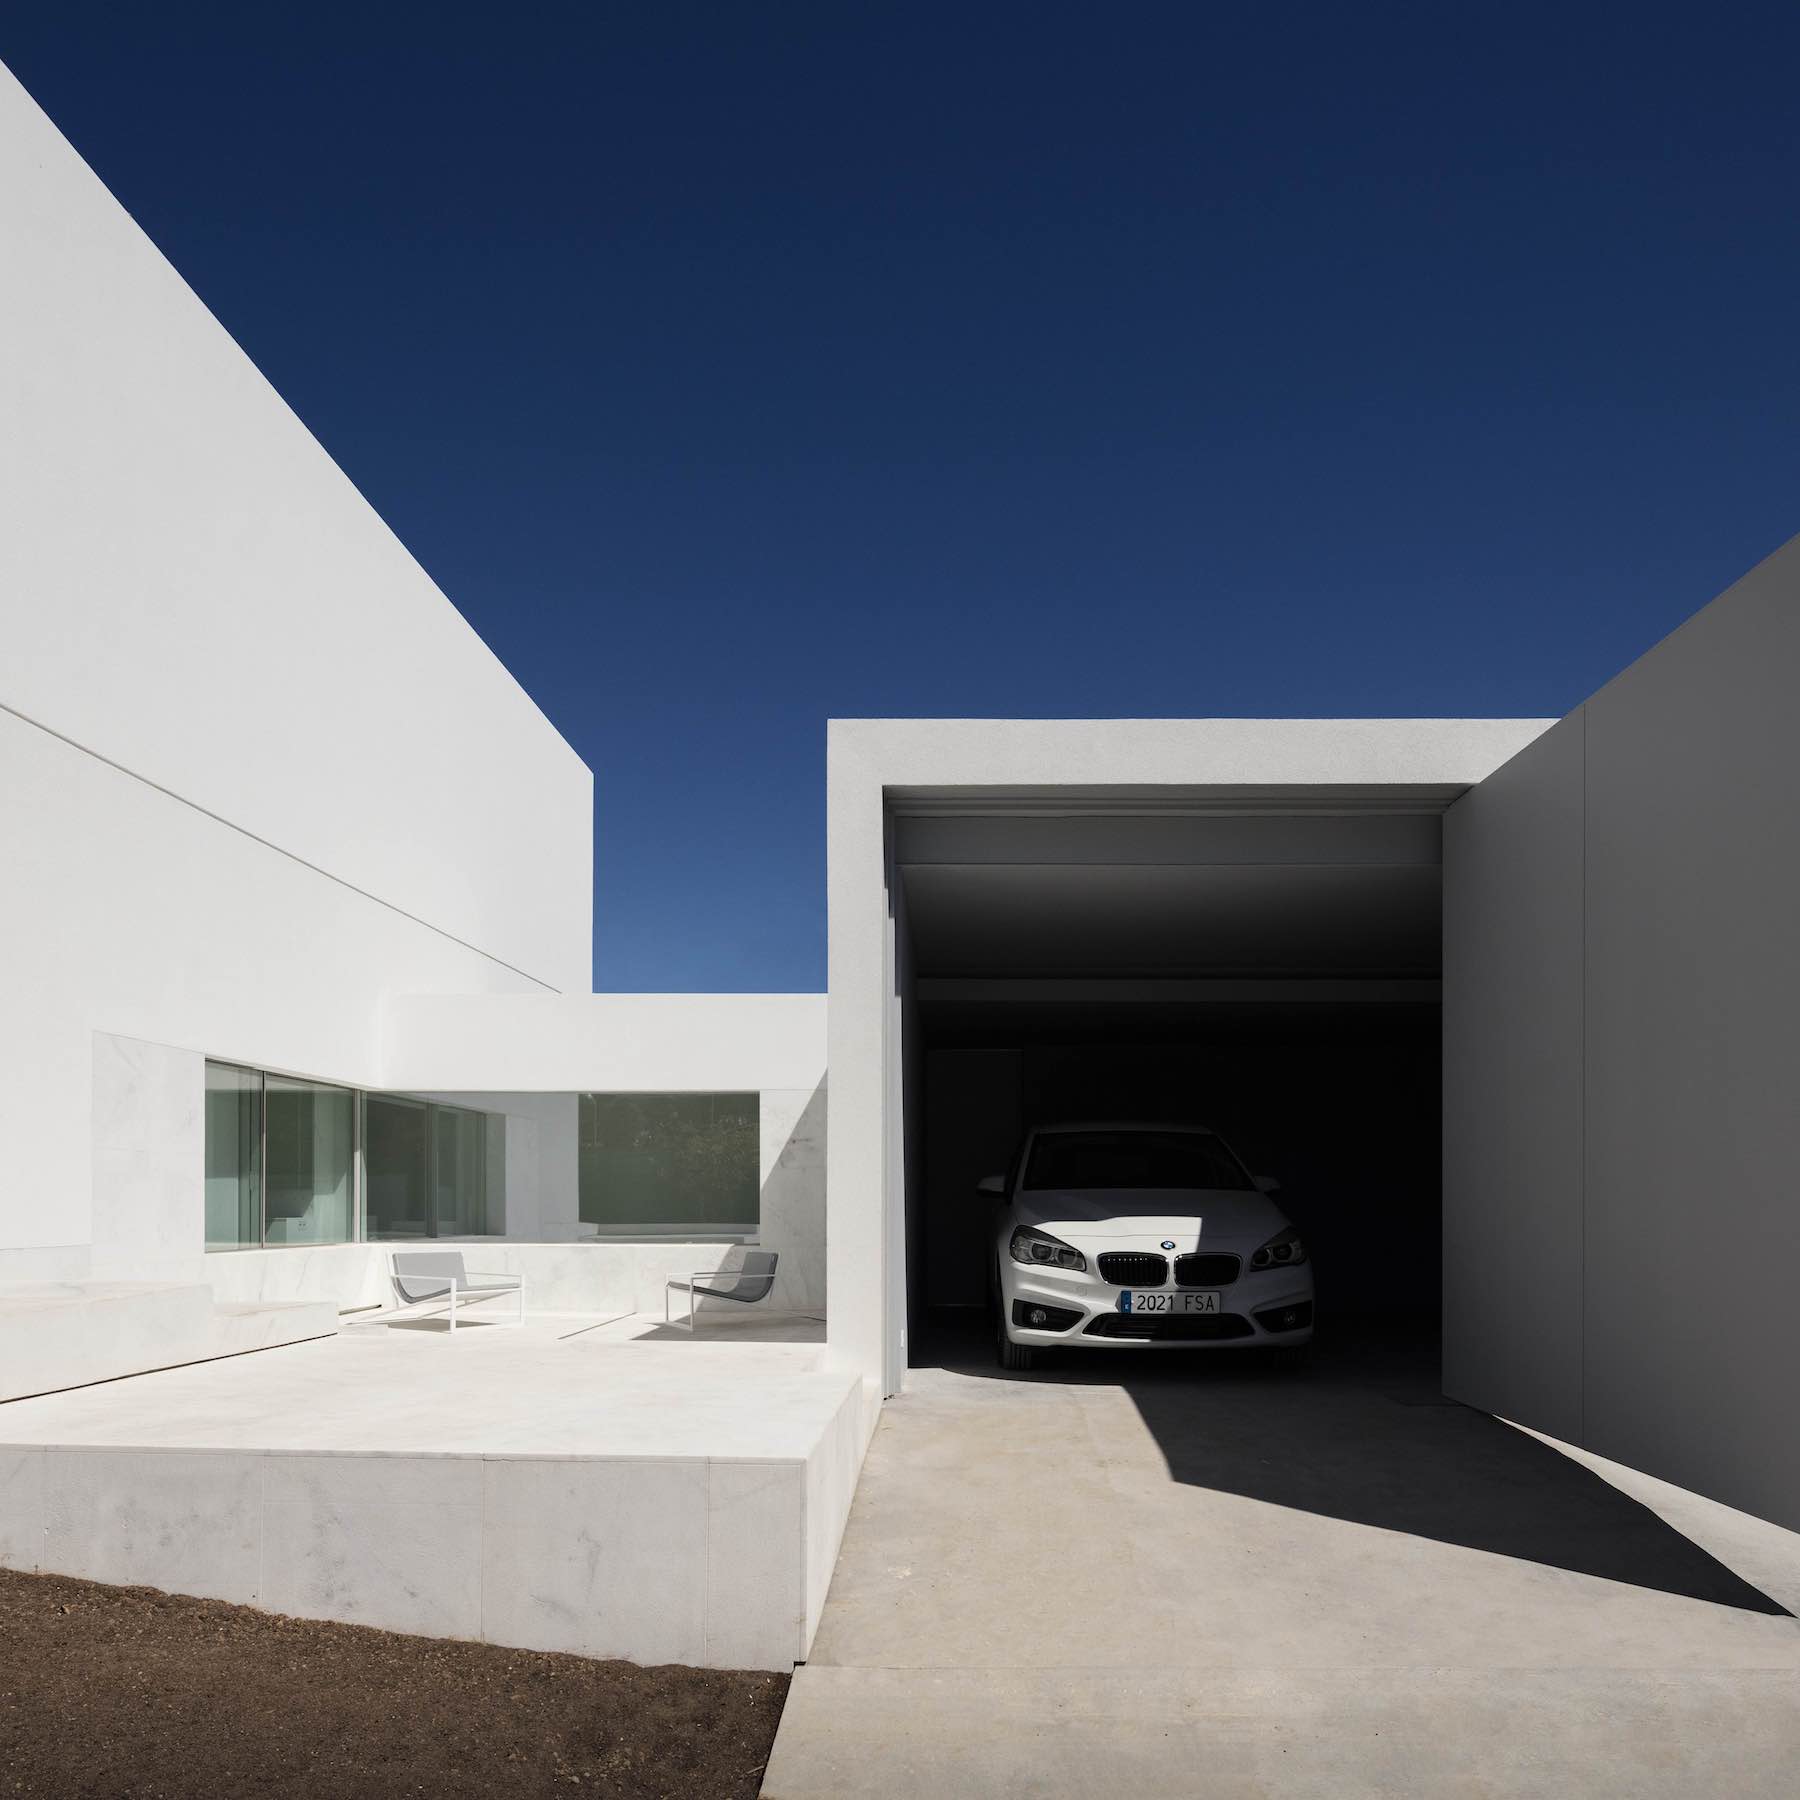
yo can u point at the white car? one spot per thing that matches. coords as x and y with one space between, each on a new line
1114 1236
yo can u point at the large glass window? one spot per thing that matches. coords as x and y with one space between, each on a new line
669 1162
280 1160
309 1193
459 1172
233 1157
432 1170
396 1167
282 1164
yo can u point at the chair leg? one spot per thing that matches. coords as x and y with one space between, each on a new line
453 1306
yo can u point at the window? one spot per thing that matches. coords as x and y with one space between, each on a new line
233 1157
1133 1159
670 1162
282 1164
308 1192
431 1170
396 1168
280 1160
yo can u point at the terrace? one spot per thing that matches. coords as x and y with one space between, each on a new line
595 1483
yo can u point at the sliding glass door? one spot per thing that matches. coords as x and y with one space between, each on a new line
431 1170
280 1160
308 1185
282 1164
396 1168
233 1158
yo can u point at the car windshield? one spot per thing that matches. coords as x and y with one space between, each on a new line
1132 1159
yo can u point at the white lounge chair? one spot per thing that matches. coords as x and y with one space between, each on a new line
421 1276
746 1285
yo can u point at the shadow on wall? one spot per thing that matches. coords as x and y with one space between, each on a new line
1363 1434
791 1203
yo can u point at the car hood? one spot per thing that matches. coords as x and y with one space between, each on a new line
1220 1216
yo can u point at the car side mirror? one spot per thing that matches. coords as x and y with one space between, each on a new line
992 1185
1266 1184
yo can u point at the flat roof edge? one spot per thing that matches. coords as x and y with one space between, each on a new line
1119 758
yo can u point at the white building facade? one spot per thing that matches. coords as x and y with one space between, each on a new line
277 827
296 915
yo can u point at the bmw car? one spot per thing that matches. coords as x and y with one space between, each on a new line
1142 1237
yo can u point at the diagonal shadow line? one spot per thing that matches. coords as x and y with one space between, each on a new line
1361 1434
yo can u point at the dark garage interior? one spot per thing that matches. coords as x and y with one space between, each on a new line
1274 976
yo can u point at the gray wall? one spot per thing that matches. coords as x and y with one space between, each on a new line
1512 1088
1622 1075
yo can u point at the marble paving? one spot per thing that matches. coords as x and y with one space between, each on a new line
602 1485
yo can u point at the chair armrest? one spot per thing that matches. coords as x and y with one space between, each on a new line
474 1275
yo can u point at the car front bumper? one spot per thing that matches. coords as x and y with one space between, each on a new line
1250 1311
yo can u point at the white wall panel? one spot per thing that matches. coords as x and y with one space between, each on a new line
606 1043
190 588
1622 1070
1512 1088
126 912
1692 1068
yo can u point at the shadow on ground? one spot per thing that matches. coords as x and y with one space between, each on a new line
1362 1433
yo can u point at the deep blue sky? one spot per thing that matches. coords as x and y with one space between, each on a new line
736 366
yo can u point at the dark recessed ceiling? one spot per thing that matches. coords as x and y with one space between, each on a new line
1185 921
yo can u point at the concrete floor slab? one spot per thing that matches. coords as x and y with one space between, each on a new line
608 1487
1203 1574
557 1386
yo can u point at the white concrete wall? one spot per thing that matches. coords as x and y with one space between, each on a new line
191 588
792 1223
128 913
606 1043
149 1160
1513 956
1635 885
256 774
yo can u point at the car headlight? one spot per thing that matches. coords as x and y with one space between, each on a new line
1038 1248
1282 1251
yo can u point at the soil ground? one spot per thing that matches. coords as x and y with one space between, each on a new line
110 1692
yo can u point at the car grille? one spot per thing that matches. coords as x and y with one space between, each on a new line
1193 1327
1134 1268
1205 1271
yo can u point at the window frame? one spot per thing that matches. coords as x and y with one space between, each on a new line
261 1090
732 1231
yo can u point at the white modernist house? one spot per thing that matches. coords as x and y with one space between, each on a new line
295 916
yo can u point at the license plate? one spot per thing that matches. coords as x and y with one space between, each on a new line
1154 1300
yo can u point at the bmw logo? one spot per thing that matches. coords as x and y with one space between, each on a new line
1168 1243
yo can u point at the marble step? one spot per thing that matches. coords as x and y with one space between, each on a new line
238 1326
67 1334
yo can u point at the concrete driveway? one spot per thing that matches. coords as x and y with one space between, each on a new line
1194 1575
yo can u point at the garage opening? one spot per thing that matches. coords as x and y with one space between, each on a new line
1272 973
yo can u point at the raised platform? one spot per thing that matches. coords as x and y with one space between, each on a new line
606 1487
56 1335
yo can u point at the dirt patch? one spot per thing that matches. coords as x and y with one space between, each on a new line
110 1692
